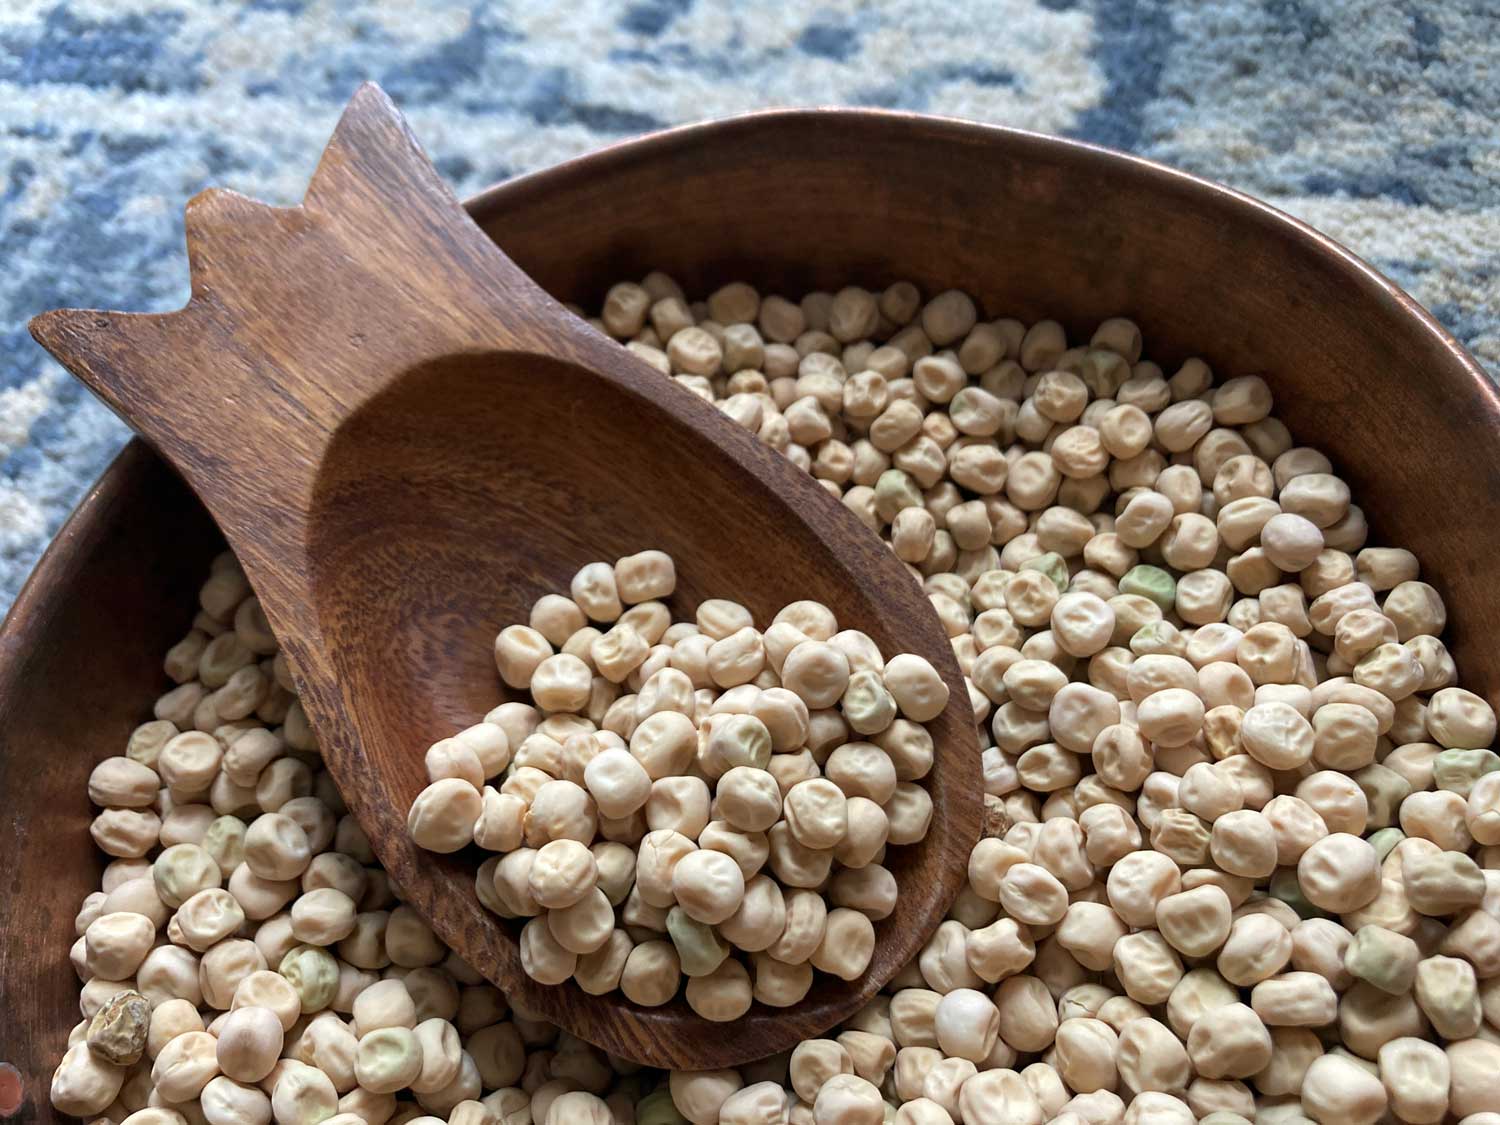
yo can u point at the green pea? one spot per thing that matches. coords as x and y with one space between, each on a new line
1053 565
895 491
225 841
657 1109
1105 371
181 871
1384 842
1445 989
868 707
1384 790
1383 958
1159 637
699 947
1458 770
1284 887
313 974
1151 582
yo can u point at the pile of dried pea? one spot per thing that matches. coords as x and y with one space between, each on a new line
682 790
1242 822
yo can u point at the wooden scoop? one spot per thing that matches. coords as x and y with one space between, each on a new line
406 442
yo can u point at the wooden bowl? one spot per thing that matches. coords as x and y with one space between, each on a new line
1031 226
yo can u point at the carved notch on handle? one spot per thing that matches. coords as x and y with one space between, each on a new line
300 314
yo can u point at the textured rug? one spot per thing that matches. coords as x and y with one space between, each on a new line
1372 119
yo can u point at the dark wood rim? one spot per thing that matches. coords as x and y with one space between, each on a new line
25 625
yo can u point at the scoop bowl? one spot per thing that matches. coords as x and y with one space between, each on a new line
406 442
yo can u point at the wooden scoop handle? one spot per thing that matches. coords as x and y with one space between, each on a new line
300 315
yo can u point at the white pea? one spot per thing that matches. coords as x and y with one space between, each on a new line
708 885
618 782
388 1059
816 813
817 672
919 692
561 873
249 1043
443 816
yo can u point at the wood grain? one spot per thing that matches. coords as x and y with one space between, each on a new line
1030 225
406 442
